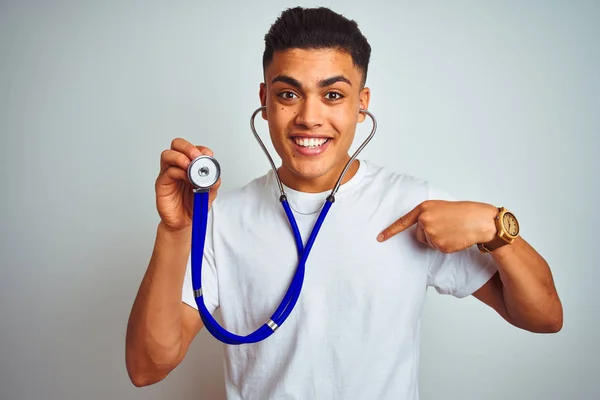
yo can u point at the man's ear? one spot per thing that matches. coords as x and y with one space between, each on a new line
263 99
364 99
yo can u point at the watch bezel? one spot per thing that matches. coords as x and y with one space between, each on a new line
502 230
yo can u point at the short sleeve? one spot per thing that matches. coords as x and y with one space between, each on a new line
462 273
459 274
210 286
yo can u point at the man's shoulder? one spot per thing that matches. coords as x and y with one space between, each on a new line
387 177
389 180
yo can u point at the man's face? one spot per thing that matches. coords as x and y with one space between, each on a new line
312 100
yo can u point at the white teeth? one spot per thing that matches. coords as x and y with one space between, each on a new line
305 142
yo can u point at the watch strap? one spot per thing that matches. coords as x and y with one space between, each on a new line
492 245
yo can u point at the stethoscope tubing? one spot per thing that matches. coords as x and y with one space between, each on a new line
287 304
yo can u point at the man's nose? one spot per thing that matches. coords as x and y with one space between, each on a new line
310 113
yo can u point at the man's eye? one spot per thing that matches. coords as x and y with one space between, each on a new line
288 95
334 96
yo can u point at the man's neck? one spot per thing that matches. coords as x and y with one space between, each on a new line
320 184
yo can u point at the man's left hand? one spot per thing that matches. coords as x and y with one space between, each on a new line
448 226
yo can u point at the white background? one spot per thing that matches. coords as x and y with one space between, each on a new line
494 101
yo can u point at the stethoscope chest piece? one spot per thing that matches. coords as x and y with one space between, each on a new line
204 172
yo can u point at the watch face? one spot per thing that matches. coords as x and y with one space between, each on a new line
510 224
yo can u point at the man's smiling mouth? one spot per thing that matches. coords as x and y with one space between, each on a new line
310 143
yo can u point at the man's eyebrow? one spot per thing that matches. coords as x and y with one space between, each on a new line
334 79
287 79
323 83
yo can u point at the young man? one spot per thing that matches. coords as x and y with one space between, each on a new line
354 333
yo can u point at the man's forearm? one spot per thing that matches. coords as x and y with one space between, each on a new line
155 329
528 287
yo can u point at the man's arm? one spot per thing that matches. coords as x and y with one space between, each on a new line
161 327
523 291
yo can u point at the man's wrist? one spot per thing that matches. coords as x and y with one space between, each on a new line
490 230
172 235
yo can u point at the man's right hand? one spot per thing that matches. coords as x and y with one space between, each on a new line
174 194
161 326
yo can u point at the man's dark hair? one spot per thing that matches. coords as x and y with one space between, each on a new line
317 28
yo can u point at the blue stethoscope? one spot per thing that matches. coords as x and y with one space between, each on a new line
203 173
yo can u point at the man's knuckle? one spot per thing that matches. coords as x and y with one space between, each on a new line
426 220
443 246
175 142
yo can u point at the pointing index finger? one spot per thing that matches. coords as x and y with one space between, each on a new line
403 223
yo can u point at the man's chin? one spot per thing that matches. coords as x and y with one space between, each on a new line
301 170
308 169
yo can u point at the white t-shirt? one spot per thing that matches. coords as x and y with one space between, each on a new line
355 331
